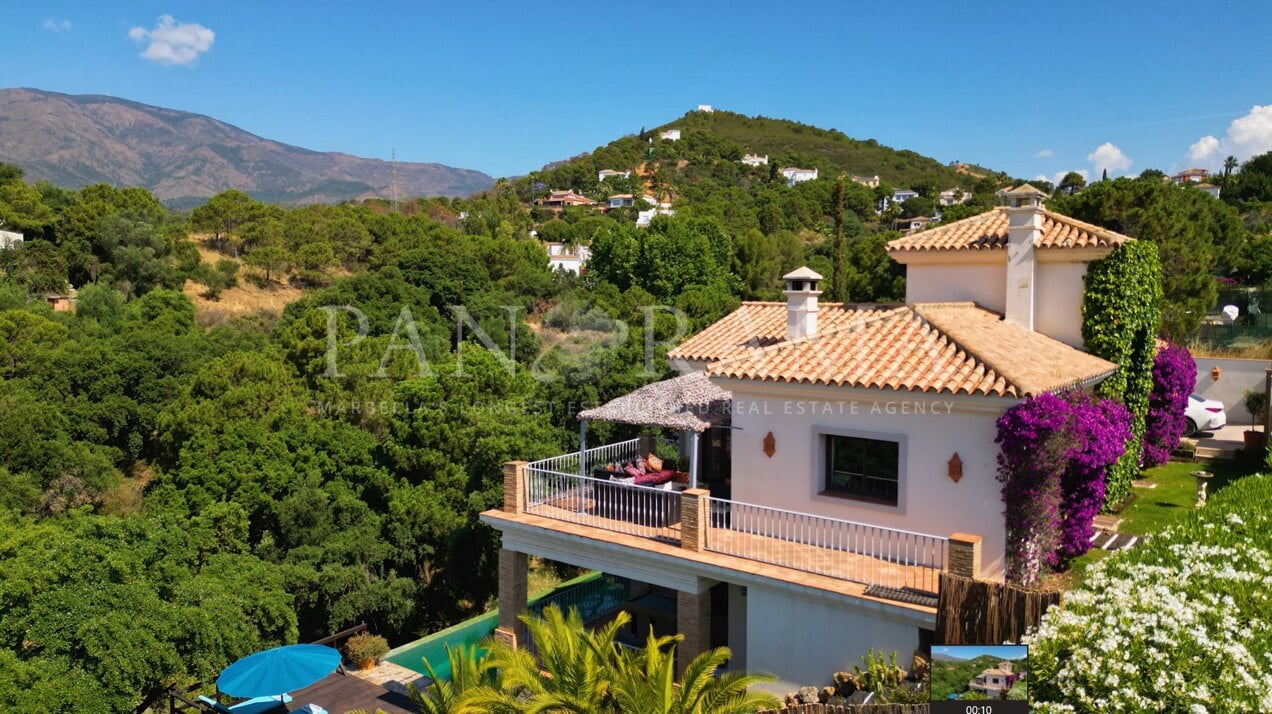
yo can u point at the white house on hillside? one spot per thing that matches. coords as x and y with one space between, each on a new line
610 173
755 160
952 196
797 175
831 459
670 135
10 239
567 258
707 108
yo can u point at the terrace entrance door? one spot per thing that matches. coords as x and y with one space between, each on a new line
715 461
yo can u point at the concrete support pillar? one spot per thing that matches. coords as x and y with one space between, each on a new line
514 486
964 555
512 597
693 620
695 518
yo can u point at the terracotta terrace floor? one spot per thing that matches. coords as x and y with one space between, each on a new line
819 566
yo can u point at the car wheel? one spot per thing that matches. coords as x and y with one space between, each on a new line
1190 427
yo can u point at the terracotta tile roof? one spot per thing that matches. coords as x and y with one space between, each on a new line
954 348
988 231
761 324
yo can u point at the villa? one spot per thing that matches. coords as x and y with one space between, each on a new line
571 259
994 681
610 173
10 239
755 160
831 460
796 175
561 199
670 134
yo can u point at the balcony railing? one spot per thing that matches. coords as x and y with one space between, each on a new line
819 545
623 508
857 552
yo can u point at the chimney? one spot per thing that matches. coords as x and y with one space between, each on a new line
801 302
1024 229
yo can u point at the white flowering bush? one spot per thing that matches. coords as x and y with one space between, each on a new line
1182 623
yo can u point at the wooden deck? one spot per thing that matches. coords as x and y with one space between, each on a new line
646 539
339 693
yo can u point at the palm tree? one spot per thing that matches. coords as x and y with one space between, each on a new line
470 668
573 673
646 683
1229 164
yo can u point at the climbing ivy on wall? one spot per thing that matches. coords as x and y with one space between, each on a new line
1121 313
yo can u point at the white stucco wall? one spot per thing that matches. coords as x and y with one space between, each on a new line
982 283
928 500
804 642
1235 377
1058 301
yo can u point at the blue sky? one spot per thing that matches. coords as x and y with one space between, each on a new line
501 87
973 651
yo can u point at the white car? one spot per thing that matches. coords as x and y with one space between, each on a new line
1204 415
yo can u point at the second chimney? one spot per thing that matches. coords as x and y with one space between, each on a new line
1024 229
801 302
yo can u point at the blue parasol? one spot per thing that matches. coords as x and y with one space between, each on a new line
282 669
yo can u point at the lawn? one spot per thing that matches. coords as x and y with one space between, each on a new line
1176 494
1155 508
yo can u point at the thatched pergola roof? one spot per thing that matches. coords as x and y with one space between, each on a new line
687 403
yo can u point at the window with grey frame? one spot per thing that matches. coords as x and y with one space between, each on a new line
861 468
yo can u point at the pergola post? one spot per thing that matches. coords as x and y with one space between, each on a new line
693 459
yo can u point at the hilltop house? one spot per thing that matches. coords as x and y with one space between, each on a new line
706 108
755 160
952 196
831 459
1209 188
661 208
867 181
670 134
910 225
797 175
621 200
610 173
9 239
900 195
1191 176
561 199
993 681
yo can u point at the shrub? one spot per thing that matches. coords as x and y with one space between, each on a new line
1055 453
1174 378
365 648
1180 623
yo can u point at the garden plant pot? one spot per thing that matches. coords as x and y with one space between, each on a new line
1255 440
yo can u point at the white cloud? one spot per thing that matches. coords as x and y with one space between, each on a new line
58 26
1248 135
1044 154
1108 157
171 42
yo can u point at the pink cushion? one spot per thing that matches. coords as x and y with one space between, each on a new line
655 478
631 470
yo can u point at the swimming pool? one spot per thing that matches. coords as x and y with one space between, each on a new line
593 595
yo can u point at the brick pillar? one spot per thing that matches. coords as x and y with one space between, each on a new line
514 486
964 555
695 518
645 445
512 597
693 620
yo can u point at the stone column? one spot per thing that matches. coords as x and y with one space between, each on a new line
514 486
695 518
512 597
693 620
964 555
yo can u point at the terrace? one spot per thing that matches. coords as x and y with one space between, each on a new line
575 494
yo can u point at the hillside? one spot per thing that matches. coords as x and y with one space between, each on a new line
722 138
76 140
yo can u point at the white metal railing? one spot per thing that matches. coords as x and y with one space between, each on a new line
856 552
650 512
617 453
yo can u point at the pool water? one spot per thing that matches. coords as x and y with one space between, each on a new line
593 595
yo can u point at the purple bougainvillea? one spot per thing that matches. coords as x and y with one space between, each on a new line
1174 378
1054 454
1098 430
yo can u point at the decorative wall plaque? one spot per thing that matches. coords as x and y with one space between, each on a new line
770 445
956 468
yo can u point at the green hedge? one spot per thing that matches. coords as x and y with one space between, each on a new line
1121 314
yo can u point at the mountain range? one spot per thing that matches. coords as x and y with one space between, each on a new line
76 140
